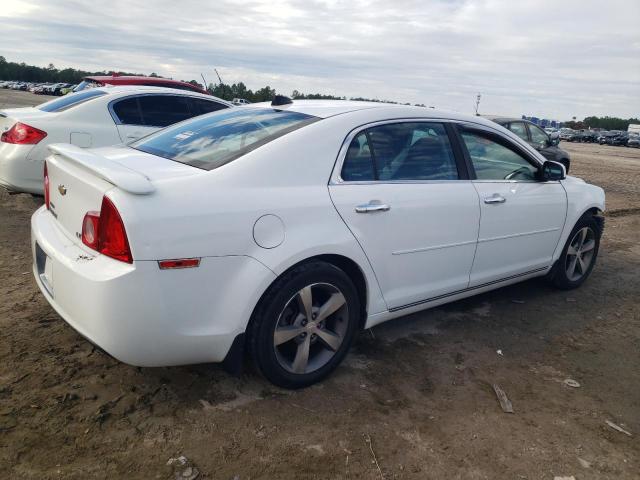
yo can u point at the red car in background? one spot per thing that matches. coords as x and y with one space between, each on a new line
101 81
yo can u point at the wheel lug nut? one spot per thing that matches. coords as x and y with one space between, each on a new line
314 316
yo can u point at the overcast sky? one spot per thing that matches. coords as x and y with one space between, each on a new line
552 59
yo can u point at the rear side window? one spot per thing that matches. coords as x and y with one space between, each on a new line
358 164
213 140
128 111
401 151
70 100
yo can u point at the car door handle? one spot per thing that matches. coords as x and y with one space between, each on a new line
372 206
495 198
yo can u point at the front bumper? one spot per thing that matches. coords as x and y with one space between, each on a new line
142 315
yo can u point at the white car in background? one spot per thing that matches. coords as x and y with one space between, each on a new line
283 229
92 118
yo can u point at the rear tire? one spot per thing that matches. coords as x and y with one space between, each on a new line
304 325
578 256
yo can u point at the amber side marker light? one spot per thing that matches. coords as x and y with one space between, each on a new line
178 263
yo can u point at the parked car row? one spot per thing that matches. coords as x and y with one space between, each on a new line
618 138
56 89
613 137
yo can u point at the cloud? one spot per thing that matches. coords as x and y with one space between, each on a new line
543 58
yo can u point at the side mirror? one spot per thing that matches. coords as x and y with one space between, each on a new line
552 171
554 139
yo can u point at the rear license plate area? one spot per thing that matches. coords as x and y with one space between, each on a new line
44 268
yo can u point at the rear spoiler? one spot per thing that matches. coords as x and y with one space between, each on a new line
113 172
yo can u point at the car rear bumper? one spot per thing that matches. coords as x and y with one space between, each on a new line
17 172
142 315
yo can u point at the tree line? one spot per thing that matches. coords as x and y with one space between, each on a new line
51 74
606 123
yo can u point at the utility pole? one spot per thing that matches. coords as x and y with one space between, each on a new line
478 104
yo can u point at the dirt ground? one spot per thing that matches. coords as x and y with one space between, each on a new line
414 399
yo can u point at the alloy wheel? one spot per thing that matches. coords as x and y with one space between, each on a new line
311 328
580 253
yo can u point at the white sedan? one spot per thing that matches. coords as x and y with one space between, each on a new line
91 118
282 229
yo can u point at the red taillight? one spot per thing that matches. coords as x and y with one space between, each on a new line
23 134
90 229
46 186
104 231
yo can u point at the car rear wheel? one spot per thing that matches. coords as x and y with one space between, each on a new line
579 254
304 325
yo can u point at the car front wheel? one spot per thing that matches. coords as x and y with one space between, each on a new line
304 325
579 254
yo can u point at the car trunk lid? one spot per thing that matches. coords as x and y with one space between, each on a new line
79 178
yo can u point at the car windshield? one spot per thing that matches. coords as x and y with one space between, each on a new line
211 141
70 100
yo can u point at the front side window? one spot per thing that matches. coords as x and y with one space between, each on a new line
495 161
213 140
519 129
538 136
401 151
70 101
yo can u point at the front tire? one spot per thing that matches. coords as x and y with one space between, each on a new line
578 255
304 325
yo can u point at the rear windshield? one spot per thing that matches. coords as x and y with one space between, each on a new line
213 140
87 84
70 100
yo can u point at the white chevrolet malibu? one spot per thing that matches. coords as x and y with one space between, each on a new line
282 229
91 118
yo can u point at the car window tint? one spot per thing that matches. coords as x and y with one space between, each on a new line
494 161
164 110
213 140
128 111
70 100
201 106
519 129
538 136
358 163
412 151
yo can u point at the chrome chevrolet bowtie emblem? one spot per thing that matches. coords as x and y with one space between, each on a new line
62 189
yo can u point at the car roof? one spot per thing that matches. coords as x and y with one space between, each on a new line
506 119
140 89
139 79
329 108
